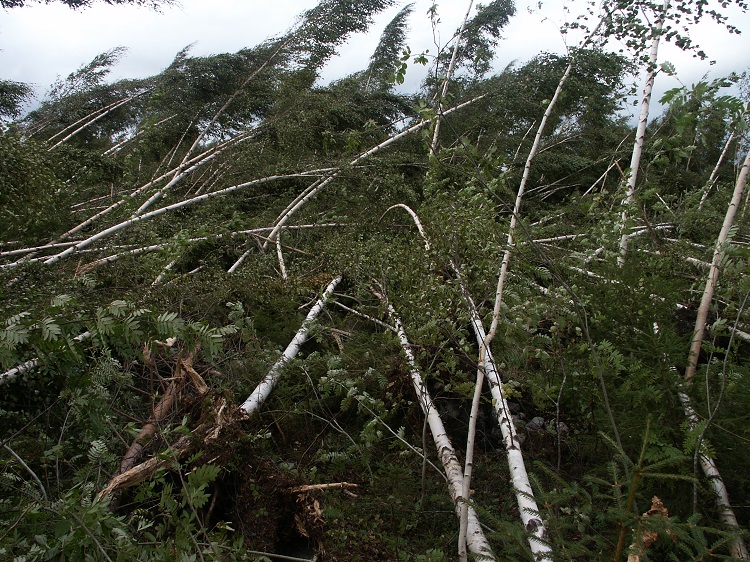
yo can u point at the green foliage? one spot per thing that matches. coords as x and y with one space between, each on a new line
76 4
13 95
387 63
32 198
592 348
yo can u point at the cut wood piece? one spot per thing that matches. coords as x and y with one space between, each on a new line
475 539
263 390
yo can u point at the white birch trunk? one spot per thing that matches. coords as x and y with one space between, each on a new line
119 145
194 163
519 199
738 549
519 478
640 134
469 467
18 370
713 274
280 256
446 82
91 118
475 539
715 171
155 247
311 191
263 390
151 200
163 273
134 220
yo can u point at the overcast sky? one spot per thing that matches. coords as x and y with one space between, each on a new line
41 42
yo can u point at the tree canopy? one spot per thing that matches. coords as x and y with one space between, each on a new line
75 4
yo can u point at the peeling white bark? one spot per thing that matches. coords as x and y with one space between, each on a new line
640 135
263 390
475 539
721 496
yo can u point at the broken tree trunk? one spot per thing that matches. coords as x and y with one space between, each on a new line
263 390
134 452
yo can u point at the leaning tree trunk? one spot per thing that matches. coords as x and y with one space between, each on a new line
475 539
527 505
446 82
263 390
738 548
635 159
316 187
713 274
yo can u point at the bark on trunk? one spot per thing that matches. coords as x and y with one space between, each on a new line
263 390
737 548
635 159
713 275
527 505
475 539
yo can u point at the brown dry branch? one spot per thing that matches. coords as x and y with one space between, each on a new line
161 410
142 472
645 538
205 433
311 487
159 414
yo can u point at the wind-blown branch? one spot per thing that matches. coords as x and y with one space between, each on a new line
315 188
